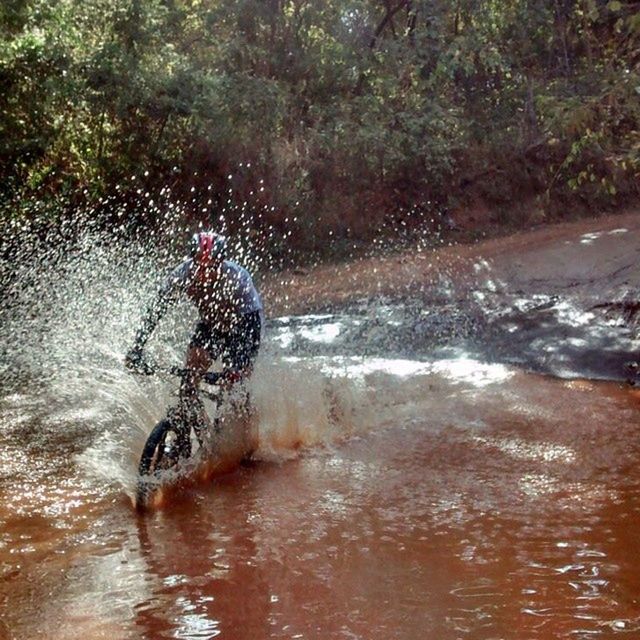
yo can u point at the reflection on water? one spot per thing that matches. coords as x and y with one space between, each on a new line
396 498
408 484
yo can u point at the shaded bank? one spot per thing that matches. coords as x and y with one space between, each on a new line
555 299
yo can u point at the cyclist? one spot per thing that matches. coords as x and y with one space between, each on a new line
230 310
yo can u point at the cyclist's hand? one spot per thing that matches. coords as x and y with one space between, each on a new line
134 361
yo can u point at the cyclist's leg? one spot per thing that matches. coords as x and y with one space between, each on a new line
198 358
241 350
200 354
244 353
243 344
203 348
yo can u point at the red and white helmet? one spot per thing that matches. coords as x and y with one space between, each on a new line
209 244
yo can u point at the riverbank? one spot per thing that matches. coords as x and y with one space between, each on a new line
557 299
587 255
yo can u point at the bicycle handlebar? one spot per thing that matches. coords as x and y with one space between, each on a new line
210 377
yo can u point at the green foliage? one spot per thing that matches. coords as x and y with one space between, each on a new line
361 105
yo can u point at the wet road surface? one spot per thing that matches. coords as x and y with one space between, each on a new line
412 480
451 499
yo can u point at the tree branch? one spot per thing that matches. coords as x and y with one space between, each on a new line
388 17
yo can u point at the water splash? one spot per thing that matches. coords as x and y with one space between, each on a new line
72 315
76 302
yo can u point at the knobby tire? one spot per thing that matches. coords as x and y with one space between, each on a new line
155 459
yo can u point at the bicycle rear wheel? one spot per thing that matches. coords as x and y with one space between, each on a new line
166 445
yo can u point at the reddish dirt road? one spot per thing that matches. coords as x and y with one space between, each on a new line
592 256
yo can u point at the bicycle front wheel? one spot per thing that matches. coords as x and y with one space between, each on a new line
165 446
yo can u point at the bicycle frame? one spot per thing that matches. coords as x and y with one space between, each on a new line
180 412
170 441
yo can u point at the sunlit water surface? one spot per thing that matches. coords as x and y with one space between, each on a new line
403 487
444 498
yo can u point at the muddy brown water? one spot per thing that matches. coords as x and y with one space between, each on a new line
487 503
405 486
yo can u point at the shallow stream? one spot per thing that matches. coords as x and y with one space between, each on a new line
402 488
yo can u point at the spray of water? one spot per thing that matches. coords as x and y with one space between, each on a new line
73 308
74 294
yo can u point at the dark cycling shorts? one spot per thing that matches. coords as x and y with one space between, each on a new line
237 348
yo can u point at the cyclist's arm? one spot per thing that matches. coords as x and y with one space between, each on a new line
166 296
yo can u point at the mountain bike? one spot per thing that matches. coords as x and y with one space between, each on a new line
171 442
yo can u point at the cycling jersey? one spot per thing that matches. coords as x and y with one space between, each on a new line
222 297
233 289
